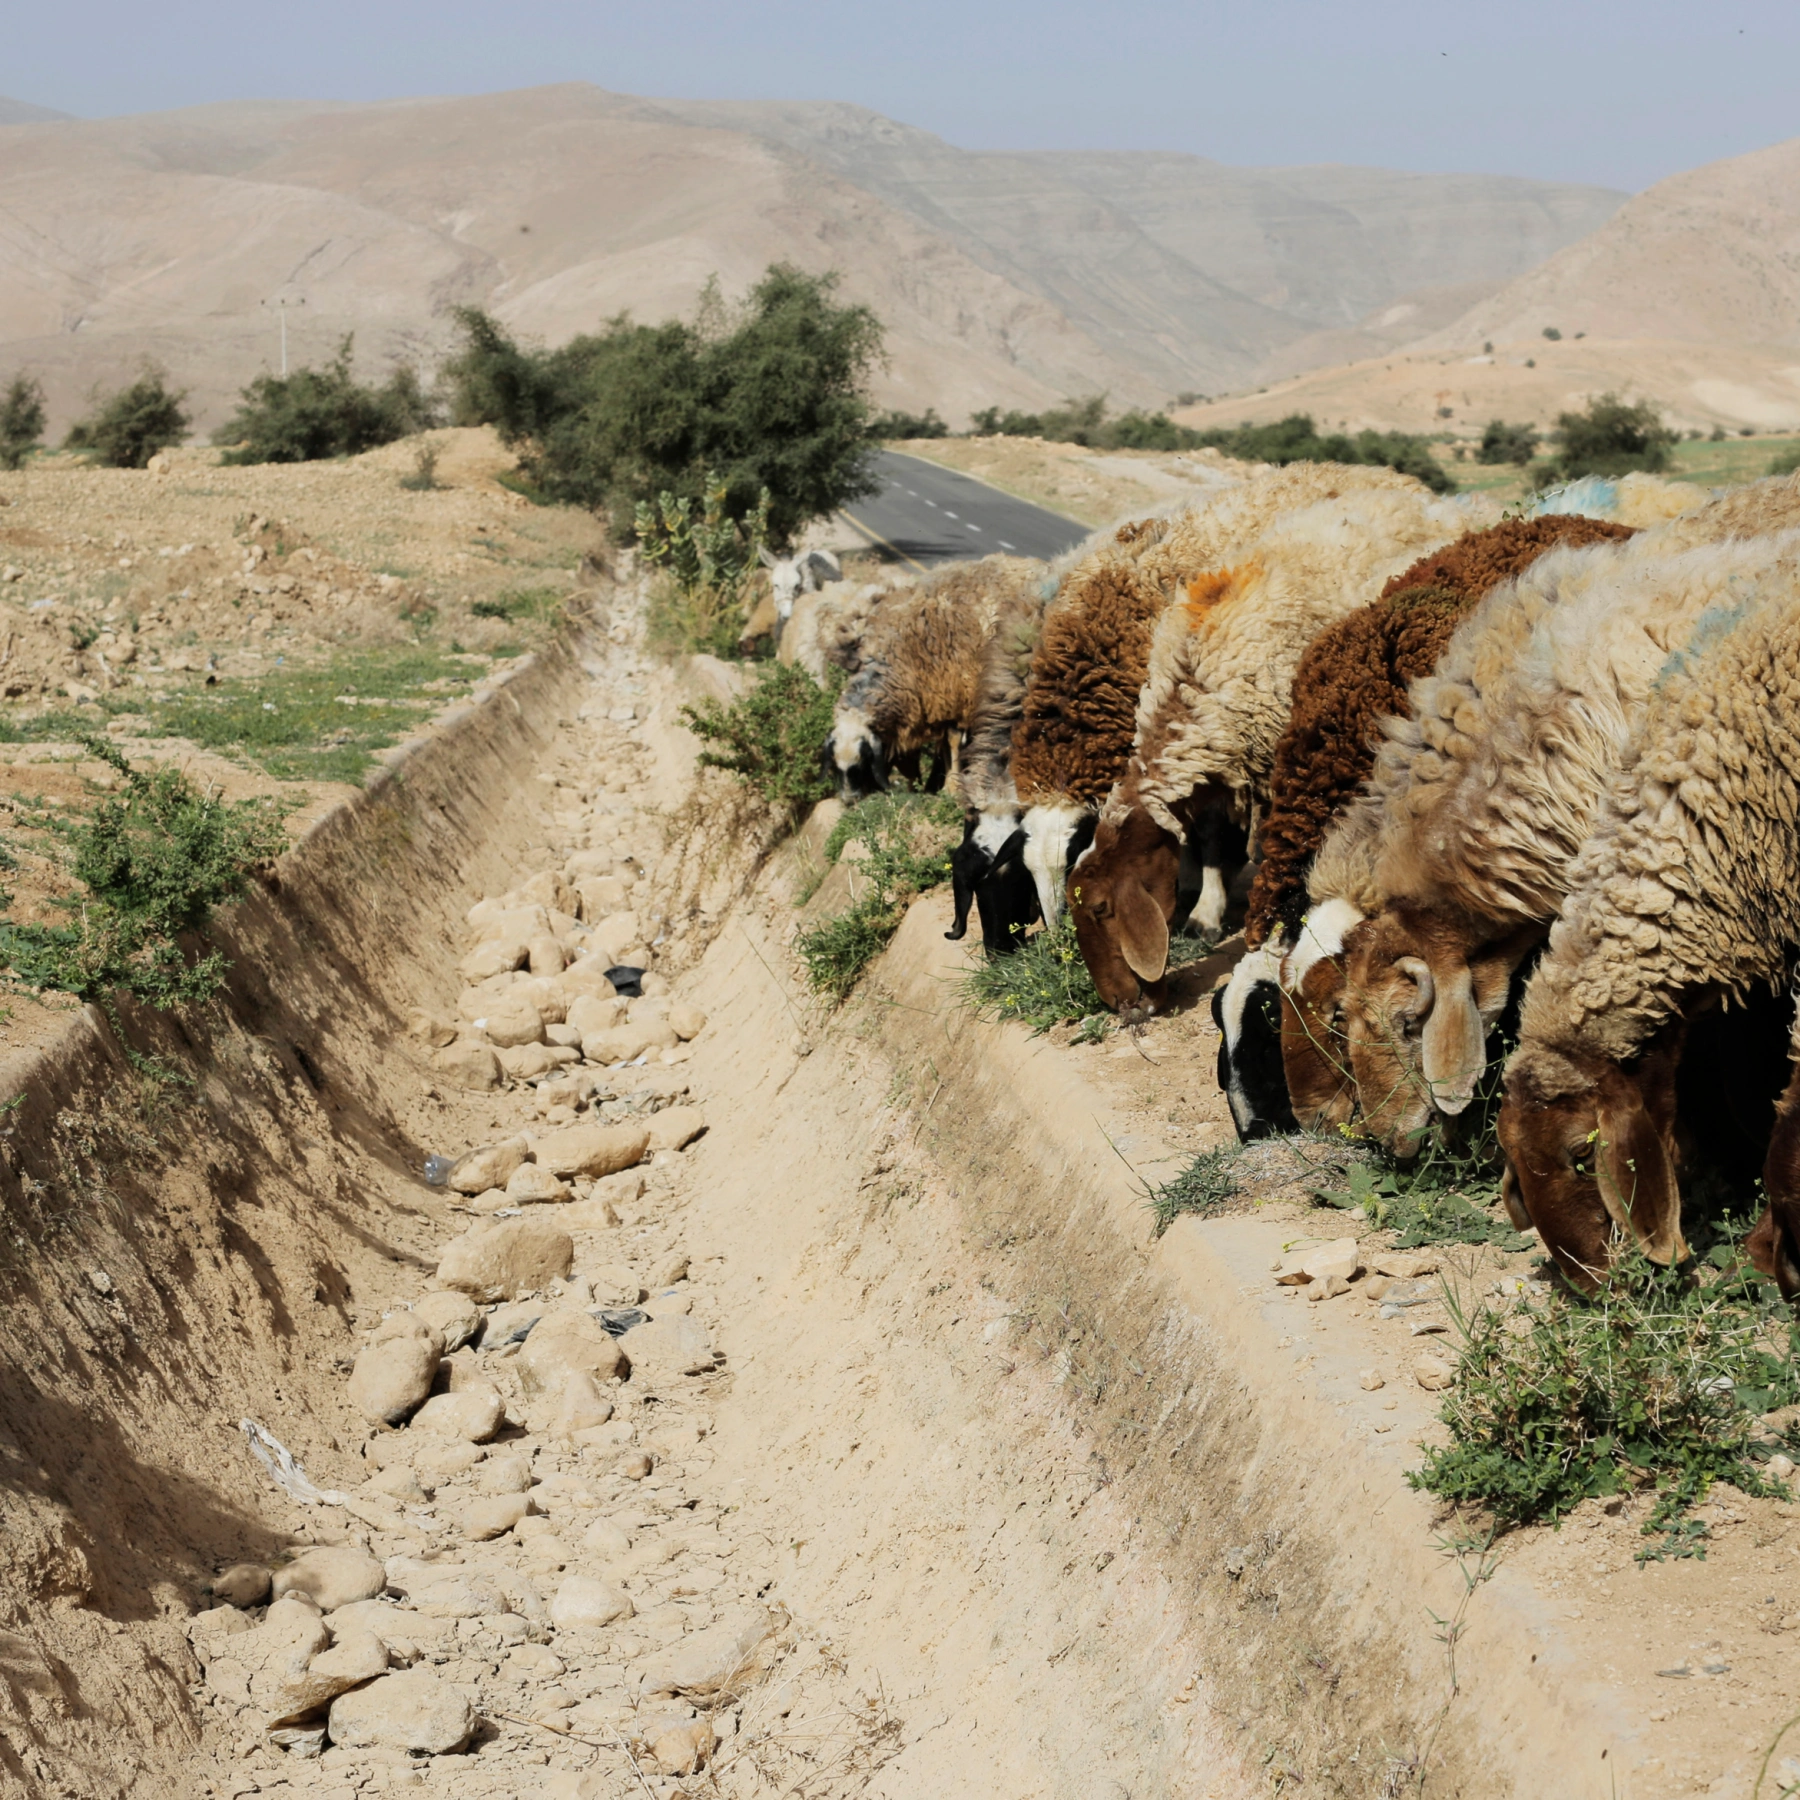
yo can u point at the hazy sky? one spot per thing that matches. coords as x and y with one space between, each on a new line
1583 90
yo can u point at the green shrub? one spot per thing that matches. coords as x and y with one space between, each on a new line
153 861
1553 334
771 398
423 479
519 604
906 840
910 425
1613 437
1656 1382
705 565
21 421
1042 983
313 414
1504 443
1787 462
771 736
128 427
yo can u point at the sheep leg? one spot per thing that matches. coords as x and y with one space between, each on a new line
1774 1245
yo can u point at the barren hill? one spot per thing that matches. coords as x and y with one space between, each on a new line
1003 279
1689 294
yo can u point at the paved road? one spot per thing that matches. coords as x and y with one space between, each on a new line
934 515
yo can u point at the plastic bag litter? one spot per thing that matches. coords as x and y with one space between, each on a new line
627 982
284 1469
616 1322
437 1170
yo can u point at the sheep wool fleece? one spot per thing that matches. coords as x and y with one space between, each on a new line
1692 877
1355 673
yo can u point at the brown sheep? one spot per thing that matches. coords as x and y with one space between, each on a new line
921 664
1353 675
1291 552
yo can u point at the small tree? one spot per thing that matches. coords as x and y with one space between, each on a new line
910 425
1504 443
21 421
1613 437
318 413
128 427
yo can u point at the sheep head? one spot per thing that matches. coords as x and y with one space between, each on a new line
987 871
1315 1056
1123 894
1590 1154
854 757
1422 987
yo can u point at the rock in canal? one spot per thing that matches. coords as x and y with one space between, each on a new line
531 1184
494 1515
675 1127
1433 1372
673 1344
509 1257
583 1601
592 1150
411 1710
468 1064
1319 1261
489 1165
391 1379
333 1575
473 1413
455 1316
243 1584
568 1342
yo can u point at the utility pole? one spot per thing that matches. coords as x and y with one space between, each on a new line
281 307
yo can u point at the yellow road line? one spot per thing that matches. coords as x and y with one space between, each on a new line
877 538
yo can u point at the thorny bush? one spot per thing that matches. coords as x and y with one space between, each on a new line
1657 1382
152 861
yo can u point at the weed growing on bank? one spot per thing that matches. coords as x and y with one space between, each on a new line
905 841
1657 1382
1202 1187
770 737
705 564
151 861
1042 983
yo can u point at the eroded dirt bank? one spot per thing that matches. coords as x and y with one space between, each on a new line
933 1472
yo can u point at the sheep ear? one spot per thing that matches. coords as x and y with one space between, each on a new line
763 556
1454 1043
1143 931
1637 1180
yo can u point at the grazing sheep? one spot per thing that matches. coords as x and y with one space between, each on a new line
1352 676
1308 543
921 664
988 868
1685 896
804 573
824 634
1485 795
1637 500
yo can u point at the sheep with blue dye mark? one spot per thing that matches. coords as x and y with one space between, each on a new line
1685 896
1481 801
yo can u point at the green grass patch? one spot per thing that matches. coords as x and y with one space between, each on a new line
1656 1383
1447 1201
315 724
771 736
150 863
906 841
1042 983
538 605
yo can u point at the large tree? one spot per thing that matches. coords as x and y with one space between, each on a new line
771 395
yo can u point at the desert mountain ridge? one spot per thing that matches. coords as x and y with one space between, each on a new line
1689 295
1004 279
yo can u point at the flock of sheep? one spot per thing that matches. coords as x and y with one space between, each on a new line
1518 792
